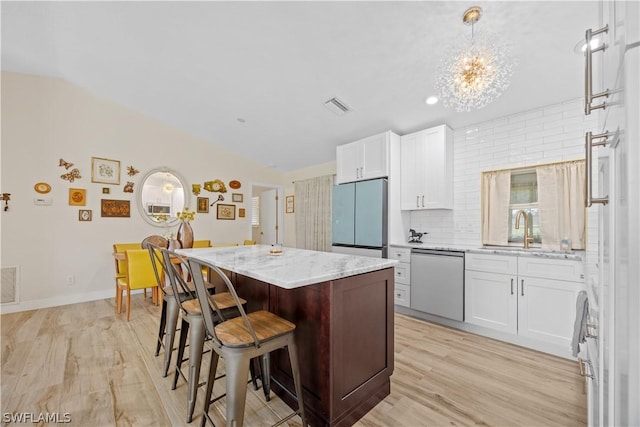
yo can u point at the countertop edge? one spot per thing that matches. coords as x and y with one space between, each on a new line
573 256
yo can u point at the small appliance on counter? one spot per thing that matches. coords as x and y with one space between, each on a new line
415 237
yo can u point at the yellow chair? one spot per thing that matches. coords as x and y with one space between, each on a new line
140 275
249 242
201 243
121 265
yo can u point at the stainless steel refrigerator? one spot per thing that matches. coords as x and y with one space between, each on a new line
359 218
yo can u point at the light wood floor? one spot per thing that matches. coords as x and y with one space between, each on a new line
84 360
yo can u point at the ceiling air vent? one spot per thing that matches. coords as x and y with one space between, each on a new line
337 106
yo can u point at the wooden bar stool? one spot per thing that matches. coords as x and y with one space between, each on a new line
239 340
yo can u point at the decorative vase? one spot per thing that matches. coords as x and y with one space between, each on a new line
185 235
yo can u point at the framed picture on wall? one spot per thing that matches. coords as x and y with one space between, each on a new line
236 197
241 213
77 197
289 204
226 212
85 215
203 205
105 171
115 208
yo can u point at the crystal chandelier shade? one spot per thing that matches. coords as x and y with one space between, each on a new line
475 72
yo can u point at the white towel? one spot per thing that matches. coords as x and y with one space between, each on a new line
579 326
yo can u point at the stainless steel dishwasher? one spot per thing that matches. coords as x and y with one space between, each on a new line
437 282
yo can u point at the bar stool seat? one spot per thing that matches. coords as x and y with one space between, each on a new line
266 326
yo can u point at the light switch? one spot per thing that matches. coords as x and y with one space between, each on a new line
43 201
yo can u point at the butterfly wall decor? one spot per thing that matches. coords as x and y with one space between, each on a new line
64 163
131 171
128 188
71 176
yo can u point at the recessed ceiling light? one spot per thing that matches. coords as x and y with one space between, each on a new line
241 120
431 100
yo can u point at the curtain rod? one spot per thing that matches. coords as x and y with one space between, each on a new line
534 166
333 174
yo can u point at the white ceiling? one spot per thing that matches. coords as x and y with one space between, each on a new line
200 66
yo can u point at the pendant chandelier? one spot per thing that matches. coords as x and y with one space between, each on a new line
477 69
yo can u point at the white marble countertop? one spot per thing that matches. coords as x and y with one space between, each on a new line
498 250
293 269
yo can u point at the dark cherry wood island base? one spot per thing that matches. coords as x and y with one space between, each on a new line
344 334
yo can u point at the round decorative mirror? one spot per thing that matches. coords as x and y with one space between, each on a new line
163 193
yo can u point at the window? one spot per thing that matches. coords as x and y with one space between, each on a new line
550 194
524 197
255 211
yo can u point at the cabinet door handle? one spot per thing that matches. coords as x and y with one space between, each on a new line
589 96
589 331
583 371
417 201
357 173
512 286
423 201
522 287
588 152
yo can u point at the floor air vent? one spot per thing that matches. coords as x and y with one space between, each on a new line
9 285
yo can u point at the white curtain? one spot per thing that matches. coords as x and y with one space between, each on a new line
561 208
496 192
313 203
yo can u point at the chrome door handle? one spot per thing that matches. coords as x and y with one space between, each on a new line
512 286
588 328
583 371
357 173
589 96
522 287
588 154
417 201
423 201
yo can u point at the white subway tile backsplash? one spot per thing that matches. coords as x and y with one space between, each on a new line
552 133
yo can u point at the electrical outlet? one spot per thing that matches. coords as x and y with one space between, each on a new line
71 280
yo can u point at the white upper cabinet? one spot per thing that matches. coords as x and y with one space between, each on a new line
364 159
426 176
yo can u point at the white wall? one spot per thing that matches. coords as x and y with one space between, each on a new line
544 135
47 119
44 120
548 134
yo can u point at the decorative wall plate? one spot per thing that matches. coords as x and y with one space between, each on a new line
42 187
235 184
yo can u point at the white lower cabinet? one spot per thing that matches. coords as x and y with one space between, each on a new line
547 309
489 301
540 304
402 290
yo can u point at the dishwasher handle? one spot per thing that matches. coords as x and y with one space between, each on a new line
436 252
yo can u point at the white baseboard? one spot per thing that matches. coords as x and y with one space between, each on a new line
56 301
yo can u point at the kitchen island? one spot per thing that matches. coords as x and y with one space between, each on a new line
343 309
